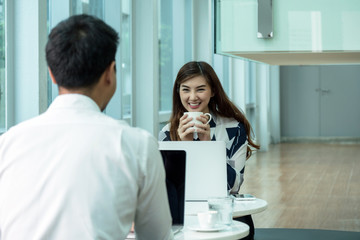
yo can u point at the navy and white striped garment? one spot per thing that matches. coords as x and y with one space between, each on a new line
233 133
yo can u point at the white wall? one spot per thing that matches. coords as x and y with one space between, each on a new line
263 106
202 31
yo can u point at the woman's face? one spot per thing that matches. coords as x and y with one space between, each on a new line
195 94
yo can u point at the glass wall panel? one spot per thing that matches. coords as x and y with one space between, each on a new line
2 68
302 32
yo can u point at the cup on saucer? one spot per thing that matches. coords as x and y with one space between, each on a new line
208 219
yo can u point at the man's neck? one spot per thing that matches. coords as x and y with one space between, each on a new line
84 91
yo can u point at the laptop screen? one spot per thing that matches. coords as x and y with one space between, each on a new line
175 165
206 159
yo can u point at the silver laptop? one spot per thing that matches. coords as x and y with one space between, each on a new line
206 174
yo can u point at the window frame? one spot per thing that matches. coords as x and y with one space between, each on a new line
9 65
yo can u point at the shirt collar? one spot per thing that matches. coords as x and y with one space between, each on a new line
74 100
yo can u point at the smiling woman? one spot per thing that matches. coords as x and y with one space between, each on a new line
197 88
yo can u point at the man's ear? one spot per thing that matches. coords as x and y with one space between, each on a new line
52 76
111 72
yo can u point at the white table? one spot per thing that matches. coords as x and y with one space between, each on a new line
236 231
248 207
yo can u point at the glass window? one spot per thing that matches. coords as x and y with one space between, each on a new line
2 67
120 105
221 68
125 48
250 83
91 7
166 54
175 49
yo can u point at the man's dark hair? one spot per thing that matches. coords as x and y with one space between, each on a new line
79 50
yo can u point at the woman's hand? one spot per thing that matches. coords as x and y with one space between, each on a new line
185 130
203 130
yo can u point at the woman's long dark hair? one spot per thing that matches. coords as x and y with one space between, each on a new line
219 104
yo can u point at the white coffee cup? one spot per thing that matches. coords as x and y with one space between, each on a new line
194 115
208 219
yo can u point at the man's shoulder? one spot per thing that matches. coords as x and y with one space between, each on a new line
20 126
129 133
135 134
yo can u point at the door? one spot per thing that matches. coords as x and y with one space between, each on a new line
320 101
299 102
339 101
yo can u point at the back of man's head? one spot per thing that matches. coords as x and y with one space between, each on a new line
79 50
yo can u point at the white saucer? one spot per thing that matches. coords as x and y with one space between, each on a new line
217 227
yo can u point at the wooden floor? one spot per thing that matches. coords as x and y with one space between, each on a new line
306 185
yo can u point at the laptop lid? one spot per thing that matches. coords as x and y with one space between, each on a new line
175 166
206 174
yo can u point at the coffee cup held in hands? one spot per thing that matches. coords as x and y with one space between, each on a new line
194 115
208 219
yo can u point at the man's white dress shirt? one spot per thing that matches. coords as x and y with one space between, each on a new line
75 173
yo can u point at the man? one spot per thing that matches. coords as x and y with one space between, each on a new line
73 172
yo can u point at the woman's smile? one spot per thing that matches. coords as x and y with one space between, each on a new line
194 105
